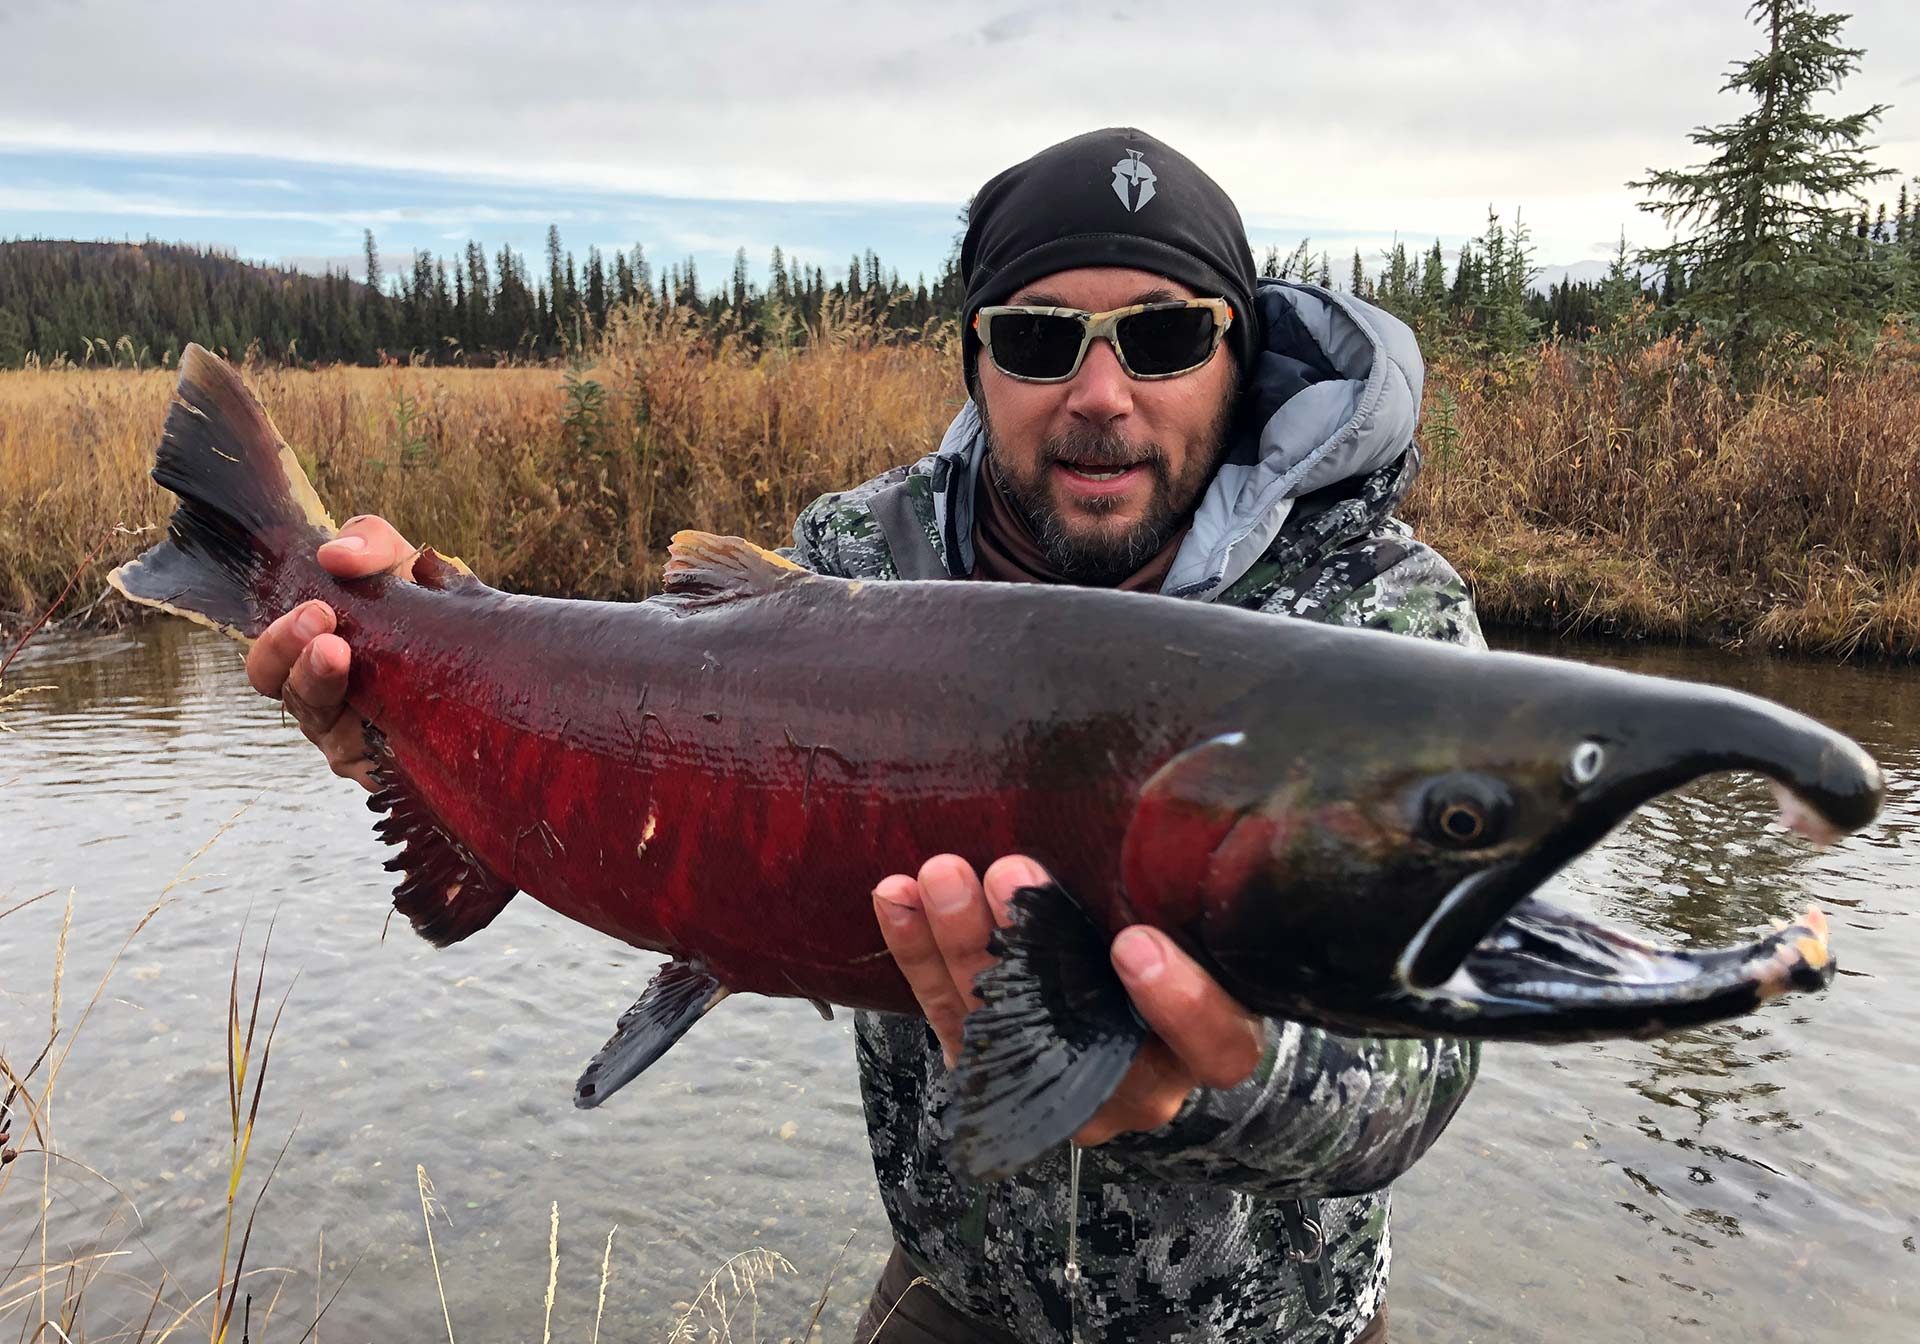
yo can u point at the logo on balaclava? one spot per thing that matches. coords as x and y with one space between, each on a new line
1133 181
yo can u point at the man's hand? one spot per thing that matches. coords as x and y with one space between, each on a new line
299 661
937 926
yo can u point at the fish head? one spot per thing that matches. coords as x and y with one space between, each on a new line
1389 886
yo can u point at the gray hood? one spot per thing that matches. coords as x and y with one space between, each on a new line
1334 394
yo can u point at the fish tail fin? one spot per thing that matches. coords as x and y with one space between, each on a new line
245 506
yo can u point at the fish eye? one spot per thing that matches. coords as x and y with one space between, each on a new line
1465 812
1583 767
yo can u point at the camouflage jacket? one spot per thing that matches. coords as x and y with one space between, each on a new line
1183 1232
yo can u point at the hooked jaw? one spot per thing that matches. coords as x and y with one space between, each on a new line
1495 960
1549 974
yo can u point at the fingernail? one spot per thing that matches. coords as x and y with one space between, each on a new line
1138 954
1030 874
946 897
310 622
893 912
349 543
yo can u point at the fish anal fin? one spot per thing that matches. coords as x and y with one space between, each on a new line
703 568
1053 1037
445 892
678 996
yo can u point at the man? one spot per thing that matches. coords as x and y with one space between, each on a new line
1143 414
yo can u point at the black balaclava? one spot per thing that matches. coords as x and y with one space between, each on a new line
1116 197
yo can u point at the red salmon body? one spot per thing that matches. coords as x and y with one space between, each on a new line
1343 827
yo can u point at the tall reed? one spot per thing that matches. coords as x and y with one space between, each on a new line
1623 483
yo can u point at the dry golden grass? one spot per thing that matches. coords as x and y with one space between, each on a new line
1622 485
1625 486
543 480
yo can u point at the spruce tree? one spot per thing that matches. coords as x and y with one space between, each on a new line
740 283
622 278
596 298
554 309
374 307
1464 296
1397 280
1771 208
1621 288
1433 281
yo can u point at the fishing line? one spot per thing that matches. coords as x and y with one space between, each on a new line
1071 1273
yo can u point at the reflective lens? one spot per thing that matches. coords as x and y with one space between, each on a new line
1161 341
1036 345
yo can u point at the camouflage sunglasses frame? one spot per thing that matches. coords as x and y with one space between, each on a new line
1095 326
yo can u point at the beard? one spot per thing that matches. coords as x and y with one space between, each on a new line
1106 552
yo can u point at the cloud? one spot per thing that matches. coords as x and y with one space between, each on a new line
28 200
1009 27
1406 114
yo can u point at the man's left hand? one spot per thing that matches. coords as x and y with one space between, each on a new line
937 925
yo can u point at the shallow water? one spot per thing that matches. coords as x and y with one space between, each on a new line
1756 1180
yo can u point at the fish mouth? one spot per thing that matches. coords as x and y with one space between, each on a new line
1546 973
1495 959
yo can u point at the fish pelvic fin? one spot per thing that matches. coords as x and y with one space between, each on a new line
245 504
445 891
703 569
680 995
1051 1040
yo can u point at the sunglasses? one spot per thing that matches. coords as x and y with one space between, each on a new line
1152 340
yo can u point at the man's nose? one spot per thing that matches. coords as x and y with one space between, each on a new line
1101 392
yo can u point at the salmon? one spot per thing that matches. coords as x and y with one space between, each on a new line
1344 827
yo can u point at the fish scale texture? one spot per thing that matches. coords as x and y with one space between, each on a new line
1181 1234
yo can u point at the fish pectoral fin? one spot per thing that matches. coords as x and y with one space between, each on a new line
1053 1037
679 996
703 569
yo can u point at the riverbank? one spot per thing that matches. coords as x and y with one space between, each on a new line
1617 487
1627 489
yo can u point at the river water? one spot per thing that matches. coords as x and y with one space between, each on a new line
1758 1180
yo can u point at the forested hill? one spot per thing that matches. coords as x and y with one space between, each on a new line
148 299
141 302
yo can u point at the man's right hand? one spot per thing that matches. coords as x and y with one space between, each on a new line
300 662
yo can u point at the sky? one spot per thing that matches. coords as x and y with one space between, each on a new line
280 132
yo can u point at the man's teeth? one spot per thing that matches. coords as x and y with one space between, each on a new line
1097 475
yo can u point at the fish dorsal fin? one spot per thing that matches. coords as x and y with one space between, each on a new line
703 569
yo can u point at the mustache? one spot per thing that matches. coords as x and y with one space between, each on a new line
1101 449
